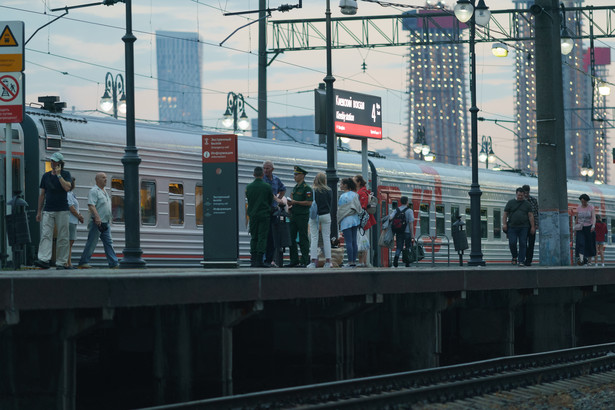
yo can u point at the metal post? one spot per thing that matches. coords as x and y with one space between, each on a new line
262 70
132 251
8 134
476 253
331 172
551 147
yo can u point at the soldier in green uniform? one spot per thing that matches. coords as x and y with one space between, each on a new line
259 196
301 200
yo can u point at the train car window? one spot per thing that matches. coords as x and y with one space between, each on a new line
497 223
483 223
14 132
148 202
176 204
454 213
439 219
117 199
198 194
468 223
424 218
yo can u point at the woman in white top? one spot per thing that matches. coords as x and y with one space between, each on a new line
585 231
73 219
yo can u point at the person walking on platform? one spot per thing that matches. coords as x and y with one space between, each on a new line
403 233
300 201
348 208
99 205
259 196
601 230
55 214
531 237
585 231
322 219
278 190
517 222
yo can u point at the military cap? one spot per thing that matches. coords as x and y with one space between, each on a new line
299 170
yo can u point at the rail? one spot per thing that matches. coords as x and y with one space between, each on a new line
444 384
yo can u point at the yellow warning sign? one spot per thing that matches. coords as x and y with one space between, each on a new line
7 39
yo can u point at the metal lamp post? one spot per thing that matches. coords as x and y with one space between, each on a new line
486 154
114 89
586 169
466 12
420 146
132 251
231 118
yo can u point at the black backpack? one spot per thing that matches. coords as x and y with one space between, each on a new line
398 223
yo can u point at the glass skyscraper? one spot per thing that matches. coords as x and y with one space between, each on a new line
178 57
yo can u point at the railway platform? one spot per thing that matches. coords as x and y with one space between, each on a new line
102 338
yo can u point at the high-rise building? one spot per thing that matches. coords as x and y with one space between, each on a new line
178 57
437 90
583 135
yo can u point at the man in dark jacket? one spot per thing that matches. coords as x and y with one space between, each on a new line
259 196
531 237
517 222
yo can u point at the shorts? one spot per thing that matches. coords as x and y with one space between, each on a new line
72 232
600 243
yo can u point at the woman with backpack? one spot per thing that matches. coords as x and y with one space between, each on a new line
363 237
348 208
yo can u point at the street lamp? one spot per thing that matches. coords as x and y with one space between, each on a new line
113 90
420 146
586 169
486 154
231 118
465 12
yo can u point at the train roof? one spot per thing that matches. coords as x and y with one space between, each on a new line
181 139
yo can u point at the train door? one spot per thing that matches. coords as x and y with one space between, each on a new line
388 196
16 185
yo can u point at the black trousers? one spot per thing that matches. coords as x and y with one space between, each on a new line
529 250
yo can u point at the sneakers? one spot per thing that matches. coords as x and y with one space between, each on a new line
114 267
41 264
84 266
328 265
311 266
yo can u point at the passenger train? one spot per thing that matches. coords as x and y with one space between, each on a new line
171 188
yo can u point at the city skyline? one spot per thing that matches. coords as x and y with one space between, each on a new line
73 67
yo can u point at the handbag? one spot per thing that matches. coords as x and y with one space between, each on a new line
417 253
578 226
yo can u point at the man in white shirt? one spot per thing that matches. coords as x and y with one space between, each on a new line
99 205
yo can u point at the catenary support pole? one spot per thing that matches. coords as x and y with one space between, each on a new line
132 251
262 70
554 229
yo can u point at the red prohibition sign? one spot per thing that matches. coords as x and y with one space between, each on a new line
8 85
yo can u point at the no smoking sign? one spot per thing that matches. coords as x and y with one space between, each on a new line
11 98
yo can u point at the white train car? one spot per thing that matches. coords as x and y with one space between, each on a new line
171 189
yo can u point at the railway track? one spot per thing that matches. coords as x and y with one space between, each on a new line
438 385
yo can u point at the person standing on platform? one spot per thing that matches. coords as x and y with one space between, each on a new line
585 231
54 187
300 201
363 236
259 196
601 230
531 237
74 219
278 190
517 221
322 199
403 239
348 208
99 205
